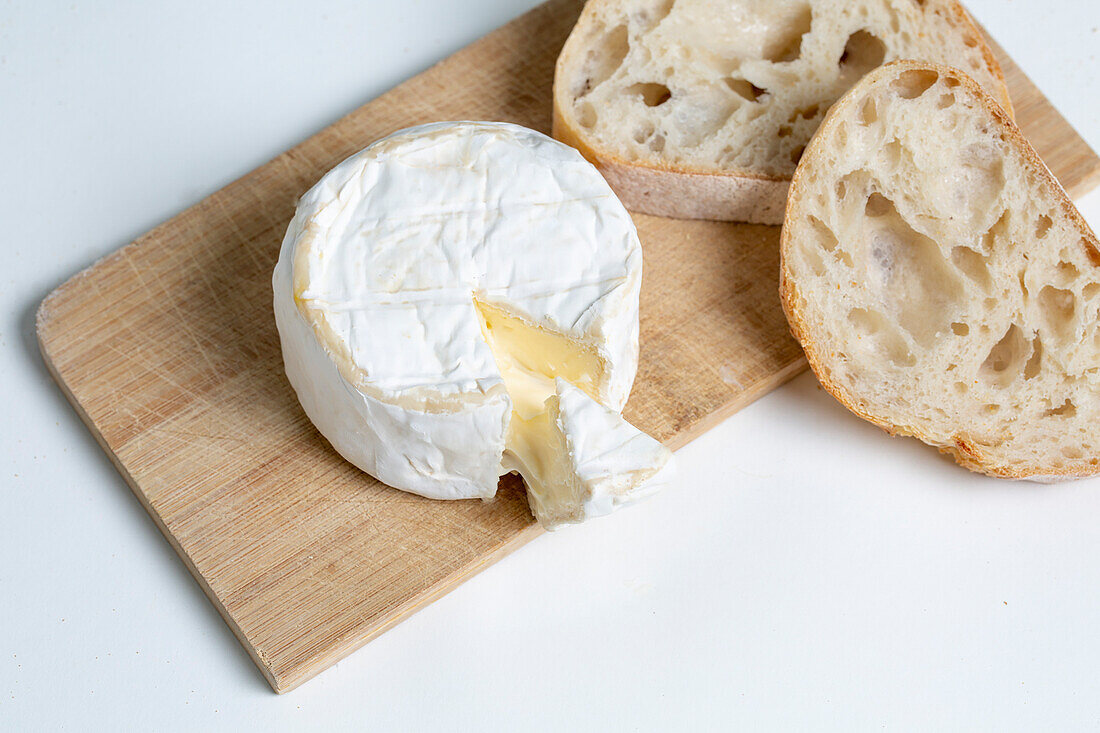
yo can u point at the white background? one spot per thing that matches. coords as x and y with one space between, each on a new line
809 572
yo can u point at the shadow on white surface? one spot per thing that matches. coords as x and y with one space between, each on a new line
843 431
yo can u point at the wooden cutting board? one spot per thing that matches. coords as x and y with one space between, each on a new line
168 351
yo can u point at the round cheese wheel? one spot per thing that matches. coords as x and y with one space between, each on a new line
406 261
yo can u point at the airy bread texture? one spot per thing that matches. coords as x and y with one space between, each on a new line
940 280
701 109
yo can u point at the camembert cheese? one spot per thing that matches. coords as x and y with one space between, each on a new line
459 300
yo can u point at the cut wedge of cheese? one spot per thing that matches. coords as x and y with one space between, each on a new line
432 287
580 459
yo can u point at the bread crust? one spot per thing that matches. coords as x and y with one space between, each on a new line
686 192
683 193
961 447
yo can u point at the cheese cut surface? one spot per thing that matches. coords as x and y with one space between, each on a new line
529 358
581 459
408 260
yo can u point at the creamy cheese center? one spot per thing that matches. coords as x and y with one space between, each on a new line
538 450
531 357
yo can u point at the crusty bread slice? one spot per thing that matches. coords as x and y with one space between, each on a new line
700 109
940 280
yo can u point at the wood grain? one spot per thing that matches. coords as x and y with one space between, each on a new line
168 351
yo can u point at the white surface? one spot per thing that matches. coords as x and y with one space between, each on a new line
808 572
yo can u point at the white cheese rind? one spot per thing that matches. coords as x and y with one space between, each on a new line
581 459
375 286
440 455
615 463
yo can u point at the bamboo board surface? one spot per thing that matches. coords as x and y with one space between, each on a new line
167 349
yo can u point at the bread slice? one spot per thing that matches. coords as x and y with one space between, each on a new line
940 280
700 109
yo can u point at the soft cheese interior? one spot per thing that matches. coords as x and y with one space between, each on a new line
578 458
530 357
